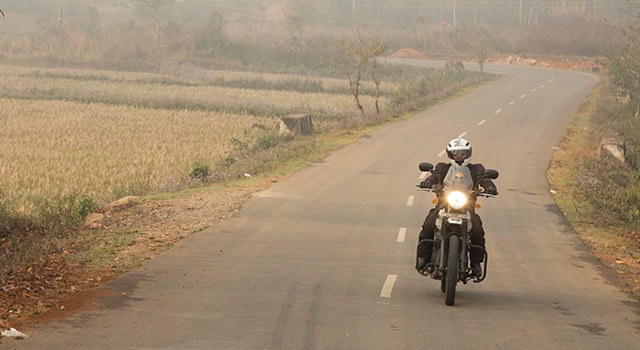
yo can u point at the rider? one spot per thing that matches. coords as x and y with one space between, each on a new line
459 152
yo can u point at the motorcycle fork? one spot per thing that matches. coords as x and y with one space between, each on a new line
463 235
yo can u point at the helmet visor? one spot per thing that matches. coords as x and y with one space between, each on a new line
459 154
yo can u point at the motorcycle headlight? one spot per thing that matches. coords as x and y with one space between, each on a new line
456 199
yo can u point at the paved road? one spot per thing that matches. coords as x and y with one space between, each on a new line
324 259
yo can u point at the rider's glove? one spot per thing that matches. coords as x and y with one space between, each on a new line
426 184
492 190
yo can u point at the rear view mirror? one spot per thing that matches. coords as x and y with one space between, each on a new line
491 174
424 166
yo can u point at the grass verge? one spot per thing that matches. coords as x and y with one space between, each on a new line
616 244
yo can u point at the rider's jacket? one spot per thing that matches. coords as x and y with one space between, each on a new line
477 170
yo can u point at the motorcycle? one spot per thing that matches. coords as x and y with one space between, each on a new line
455 201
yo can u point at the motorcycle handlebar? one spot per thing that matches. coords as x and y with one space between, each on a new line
477 193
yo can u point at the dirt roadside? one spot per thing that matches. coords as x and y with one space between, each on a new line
126 233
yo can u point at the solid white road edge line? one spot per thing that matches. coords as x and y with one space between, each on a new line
388 286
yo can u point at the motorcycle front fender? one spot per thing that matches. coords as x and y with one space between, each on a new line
454 226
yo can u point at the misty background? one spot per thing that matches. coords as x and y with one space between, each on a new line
297 34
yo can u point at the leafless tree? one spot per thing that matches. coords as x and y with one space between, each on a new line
361 51
623 66
155 8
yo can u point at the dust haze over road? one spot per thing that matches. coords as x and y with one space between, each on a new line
324 259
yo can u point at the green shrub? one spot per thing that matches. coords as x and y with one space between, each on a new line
69 210
609 188
228 160
200 171
268 140
6 217
84 206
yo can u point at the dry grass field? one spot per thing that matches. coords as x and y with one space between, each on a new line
258 94
54 149
68 133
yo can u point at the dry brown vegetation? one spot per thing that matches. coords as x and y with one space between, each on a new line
110 134
583 181
53 149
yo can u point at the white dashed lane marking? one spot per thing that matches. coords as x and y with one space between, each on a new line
388 286
402 233
410 200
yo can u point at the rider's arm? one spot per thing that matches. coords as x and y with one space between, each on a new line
436 177
477 171
439 172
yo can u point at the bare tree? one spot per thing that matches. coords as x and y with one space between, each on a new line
211 38
623 66
480 50
91 26
424 28
360 51
298 14
155 12
476 10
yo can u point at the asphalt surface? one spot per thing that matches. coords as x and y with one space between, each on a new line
324 259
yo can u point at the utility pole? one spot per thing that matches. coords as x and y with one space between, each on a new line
61 13
520 14
455 21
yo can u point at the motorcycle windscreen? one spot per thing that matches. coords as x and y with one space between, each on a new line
458 179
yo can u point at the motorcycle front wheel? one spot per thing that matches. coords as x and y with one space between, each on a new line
451 278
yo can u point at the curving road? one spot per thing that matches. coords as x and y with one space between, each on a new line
324 259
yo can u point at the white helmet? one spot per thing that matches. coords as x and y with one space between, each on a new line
459 151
